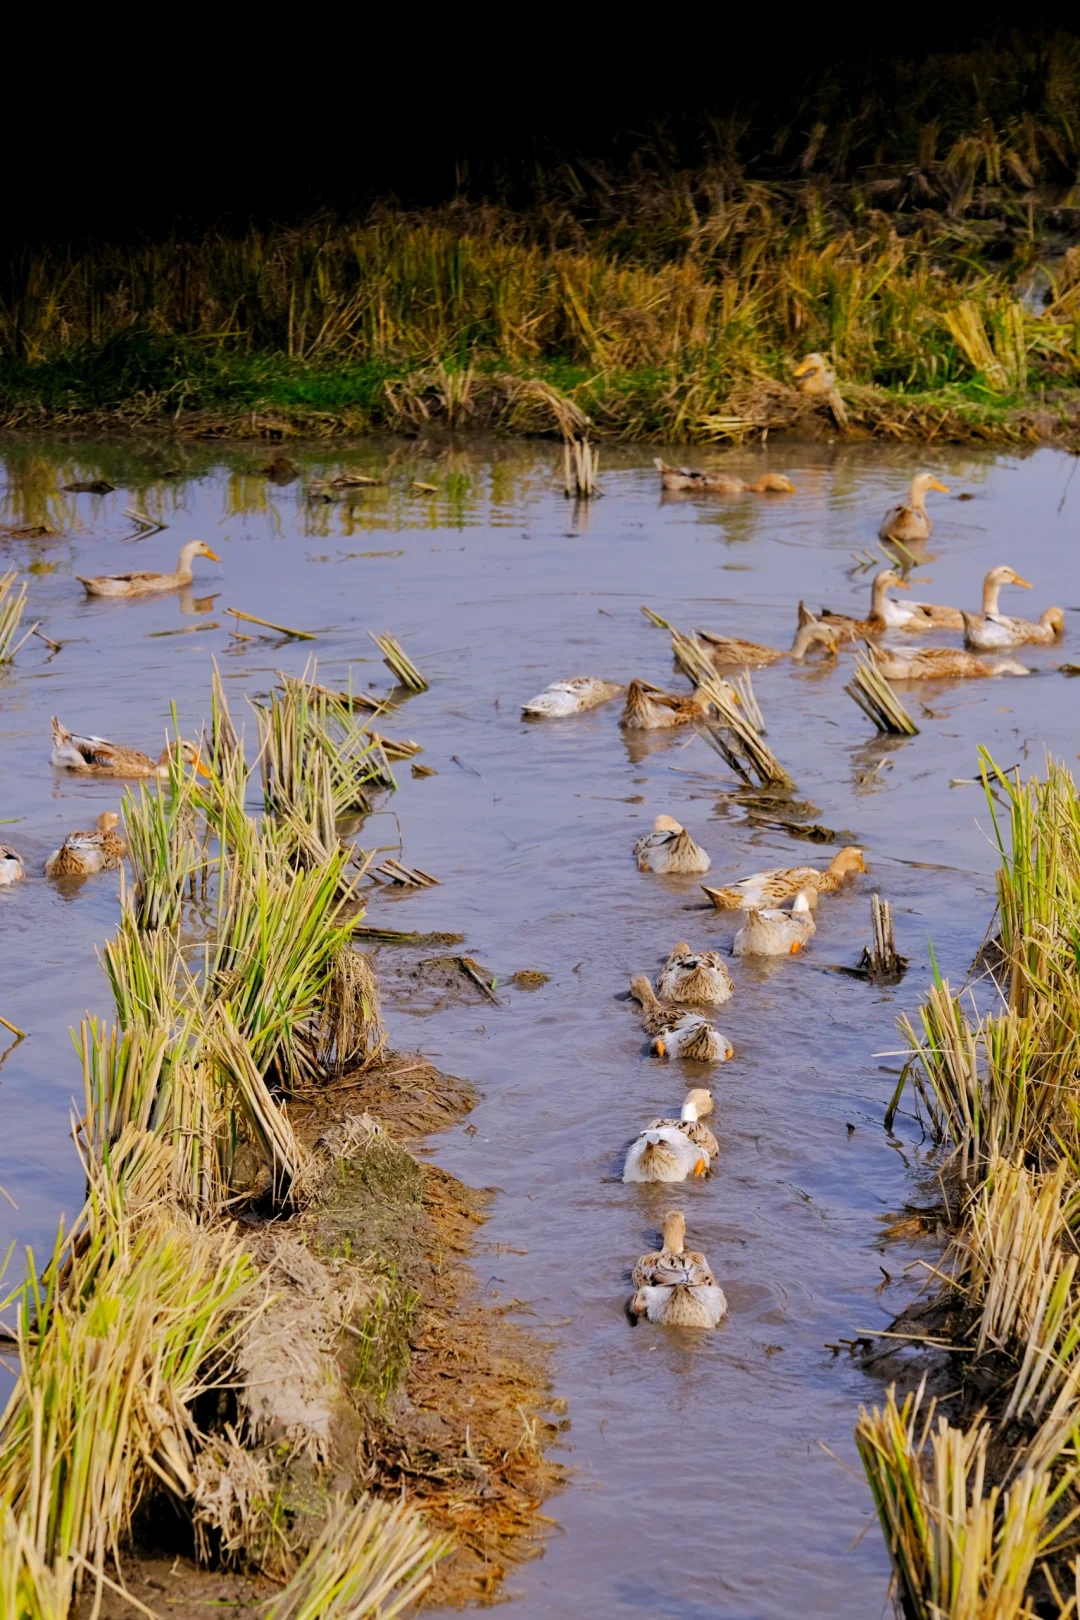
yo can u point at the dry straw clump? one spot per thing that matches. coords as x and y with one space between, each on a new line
979 1509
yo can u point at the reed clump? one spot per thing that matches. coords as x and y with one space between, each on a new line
145 1312
12 603
979 1507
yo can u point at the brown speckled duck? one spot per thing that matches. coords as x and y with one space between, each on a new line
779 883
83 853
727 652
95 756
650 708
669 849
718 483
941 664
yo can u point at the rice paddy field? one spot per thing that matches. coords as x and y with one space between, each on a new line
728 1455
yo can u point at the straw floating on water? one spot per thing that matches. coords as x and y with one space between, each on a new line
399 664
282 629
876 698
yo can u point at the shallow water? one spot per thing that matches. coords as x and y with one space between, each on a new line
703 1482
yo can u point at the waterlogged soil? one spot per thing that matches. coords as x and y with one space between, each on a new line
712 1475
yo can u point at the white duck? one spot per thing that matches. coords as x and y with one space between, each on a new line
665 1155
668 849
699 978
776 933
11 866
990 632
572 696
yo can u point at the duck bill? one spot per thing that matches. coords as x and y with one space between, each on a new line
803 368
202 769
1026 583
211 554
700 1168
944 488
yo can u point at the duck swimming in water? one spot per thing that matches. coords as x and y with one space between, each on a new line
678 1034
718 483
940 664
673 1262
910 521
685 1294
11 866
990 632
148 584
669 849
779 883
728 652
94 756
665 1152
650 708
773 932
574 696
937 616
699 978
885 614
83 853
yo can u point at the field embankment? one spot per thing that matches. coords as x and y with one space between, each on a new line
919 229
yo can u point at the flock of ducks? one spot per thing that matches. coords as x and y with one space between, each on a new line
675 1287
102 848
775 909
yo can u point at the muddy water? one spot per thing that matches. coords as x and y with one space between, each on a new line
703 1482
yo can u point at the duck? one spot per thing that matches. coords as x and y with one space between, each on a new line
940 664
677 1034
815 375
936 616
11 866
665 1154
148 584
649 708
718 483
83 853
693 1038
771 932
669 849
698 977
696 1104
910 520
728 651
779 883
885 614
989 632
95 756
572 696
673 1262
685 1293
696 1305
